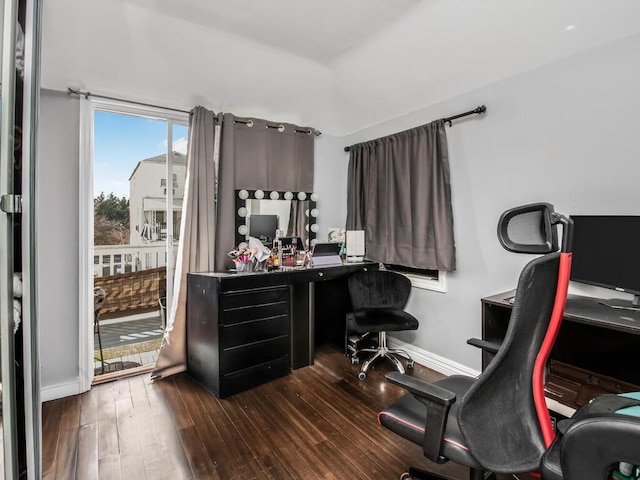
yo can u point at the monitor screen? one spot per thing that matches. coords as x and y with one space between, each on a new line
263 227
606 251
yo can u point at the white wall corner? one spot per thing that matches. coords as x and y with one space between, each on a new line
60 391
431 360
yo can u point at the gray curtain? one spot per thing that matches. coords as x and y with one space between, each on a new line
298 219
399 193
197 234
258 154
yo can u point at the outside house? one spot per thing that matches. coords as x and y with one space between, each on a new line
147 218
148 187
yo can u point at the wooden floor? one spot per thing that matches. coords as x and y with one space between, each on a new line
317 423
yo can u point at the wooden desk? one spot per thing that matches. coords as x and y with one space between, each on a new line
245 329
596 350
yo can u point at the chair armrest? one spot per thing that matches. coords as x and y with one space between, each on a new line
422 389
438 402
592 444
485 345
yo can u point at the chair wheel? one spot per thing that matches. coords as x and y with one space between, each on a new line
405 476
355 360
409 365
362 375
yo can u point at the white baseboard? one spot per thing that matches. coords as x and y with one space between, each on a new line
431 360
59 391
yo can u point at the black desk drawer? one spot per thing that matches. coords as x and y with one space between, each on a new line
253 330
251 354
254 376
258 296
253 312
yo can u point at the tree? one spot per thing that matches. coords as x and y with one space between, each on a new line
111 220
112 207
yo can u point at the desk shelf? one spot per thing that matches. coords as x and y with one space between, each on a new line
596 350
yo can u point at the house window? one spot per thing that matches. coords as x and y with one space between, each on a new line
163 182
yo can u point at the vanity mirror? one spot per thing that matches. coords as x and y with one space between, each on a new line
296 214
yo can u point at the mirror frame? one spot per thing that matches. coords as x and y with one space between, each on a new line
240 202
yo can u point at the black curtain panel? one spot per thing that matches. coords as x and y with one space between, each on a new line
257 154
399 193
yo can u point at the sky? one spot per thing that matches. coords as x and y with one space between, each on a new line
121 141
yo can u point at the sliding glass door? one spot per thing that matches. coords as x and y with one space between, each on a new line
19 381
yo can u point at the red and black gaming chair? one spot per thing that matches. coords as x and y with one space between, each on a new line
592 444
497 422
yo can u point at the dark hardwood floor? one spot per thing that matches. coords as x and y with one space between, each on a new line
317 423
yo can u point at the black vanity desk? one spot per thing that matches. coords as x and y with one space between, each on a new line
245 329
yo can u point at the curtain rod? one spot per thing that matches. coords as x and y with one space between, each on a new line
71 91
478 110
279 127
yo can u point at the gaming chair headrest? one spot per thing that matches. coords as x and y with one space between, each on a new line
529 229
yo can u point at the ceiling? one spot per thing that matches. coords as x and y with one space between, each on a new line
337 65
320 30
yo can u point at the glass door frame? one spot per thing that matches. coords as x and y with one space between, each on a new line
88 107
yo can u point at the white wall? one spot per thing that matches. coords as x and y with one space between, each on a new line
57 243
565 133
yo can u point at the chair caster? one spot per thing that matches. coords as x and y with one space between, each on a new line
405 476
362 375
355 360
410 365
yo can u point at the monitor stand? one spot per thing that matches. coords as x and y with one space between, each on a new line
623 304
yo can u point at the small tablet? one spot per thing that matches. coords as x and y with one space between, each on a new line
325 249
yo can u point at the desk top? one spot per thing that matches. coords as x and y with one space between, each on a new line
286 276
586 310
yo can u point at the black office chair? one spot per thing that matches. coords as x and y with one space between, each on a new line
378 298
499 421
591 445
99 297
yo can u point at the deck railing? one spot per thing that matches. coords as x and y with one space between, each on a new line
111 260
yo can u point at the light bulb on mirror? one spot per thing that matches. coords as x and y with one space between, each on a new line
242 229
288 195
315 228
274 195
314 197
306 227
259 194
314 212
243 194
242 212
302 196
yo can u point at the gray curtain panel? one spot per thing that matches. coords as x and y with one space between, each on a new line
257 154
399 193
297 220
197 234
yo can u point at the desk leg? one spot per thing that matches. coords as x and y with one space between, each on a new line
302 322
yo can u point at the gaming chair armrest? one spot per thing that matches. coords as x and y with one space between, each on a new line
490 347
438 402
591 445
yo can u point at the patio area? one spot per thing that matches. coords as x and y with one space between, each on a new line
128 342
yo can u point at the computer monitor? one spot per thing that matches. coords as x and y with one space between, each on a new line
263 227
606 253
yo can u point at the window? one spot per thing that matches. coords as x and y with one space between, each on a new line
163 182
421 278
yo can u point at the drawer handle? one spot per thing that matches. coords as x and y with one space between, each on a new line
320 274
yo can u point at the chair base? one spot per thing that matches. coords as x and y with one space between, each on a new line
417 474
382 351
